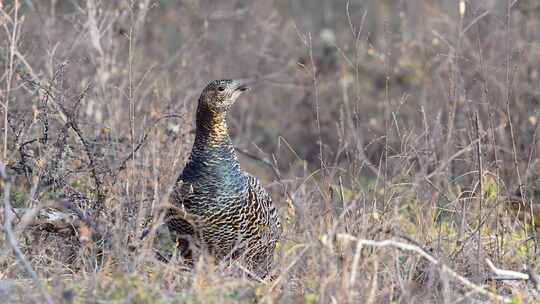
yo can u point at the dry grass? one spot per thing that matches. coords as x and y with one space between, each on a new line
400 140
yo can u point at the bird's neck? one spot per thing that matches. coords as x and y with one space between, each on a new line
213 157
212 129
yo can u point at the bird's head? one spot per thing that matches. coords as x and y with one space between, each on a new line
219 95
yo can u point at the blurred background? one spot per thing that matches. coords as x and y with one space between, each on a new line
372 118
344 78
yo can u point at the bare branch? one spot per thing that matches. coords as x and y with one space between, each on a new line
443 268
507 274
504 274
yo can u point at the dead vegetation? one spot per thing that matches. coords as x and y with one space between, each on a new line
400 140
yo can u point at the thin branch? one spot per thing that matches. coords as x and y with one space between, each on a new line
141 142
72 121
507 274
443 268
504 274
481 187
260 159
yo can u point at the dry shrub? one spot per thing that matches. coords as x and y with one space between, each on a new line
373 120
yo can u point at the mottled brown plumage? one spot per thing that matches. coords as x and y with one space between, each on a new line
223 209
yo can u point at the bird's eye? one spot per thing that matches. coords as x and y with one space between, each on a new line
221 88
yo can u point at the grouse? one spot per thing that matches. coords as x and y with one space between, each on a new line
216 205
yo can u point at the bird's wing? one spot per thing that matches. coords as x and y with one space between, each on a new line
261 203
263 236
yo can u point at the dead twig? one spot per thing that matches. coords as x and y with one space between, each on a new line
503 274
141 142
72 120
443 268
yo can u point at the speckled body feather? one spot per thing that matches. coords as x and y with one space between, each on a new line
234 215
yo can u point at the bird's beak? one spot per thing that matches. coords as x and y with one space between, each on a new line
243 85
